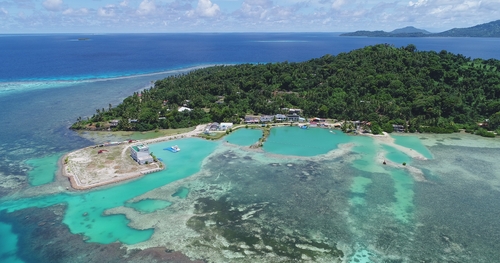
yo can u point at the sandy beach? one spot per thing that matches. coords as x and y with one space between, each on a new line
386 139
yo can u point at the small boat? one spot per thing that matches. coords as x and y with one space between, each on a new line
173 149
304 126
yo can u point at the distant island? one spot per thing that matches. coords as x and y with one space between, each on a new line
491 29
382 86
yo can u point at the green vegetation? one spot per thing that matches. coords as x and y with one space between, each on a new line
382 84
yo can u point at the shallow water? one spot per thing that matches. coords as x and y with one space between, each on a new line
181 193
303 142
85 211
8 244
244 137
395 155
376 212
148 205
413 143
44 169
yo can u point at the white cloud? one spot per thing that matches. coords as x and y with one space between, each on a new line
337 4
3 12
53 5
146 7
247 15
71 11
205 8
467 5
107 11
257 9
418 3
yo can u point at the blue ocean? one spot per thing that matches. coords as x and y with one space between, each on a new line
48 81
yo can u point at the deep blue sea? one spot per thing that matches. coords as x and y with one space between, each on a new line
48 81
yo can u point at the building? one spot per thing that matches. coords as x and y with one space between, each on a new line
398 128
293 117
294 111
140 153
214 126
266 118
182 109
113 123
252 119
280 117
318 120
226 125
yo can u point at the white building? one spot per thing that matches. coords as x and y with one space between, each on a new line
140 153
225 126
181 109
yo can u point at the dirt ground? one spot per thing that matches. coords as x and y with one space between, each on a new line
89 168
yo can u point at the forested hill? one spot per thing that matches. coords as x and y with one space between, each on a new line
381 83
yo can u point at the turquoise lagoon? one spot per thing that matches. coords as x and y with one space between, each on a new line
244 137
85 210
304 142
86 215
8 245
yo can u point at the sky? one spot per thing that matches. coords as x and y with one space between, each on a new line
145 16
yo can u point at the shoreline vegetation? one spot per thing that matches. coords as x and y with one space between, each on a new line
421 91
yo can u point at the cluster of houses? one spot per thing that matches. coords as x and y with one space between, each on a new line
292 116
249 119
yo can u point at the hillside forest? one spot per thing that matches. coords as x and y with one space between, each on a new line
425 91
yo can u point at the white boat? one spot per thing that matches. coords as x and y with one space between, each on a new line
173 149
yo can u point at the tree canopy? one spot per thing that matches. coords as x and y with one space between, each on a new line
379 83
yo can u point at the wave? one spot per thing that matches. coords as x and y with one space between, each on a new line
7 88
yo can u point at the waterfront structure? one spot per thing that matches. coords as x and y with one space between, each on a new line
113 123
293 117
266 118
140 153
398 128
280 117
252 119
226 125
